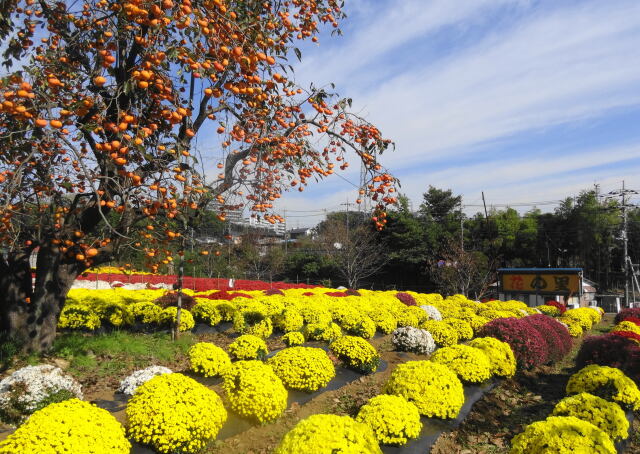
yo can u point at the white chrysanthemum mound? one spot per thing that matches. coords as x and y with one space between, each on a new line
410 339
432 312
29 386
129 385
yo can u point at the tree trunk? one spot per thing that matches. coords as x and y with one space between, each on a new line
29 311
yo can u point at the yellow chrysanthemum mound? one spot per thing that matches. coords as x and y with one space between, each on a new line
254 322
551 311
255 391
627 326
462 327
573 326
607 416
71 426
471 364
248 347
208 359
145 312
584 316
293 338
329 434
76 316
606 382
186 319
432 387
174 413
562 435
356 353
303 368
443 334
289 320
206 311
500 355
384 320
393 419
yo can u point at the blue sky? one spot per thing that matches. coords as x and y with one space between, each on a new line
525 100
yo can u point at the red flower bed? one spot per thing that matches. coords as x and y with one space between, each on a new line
606 350
554 333
308 294
561 307
273 291
224 295
406 298
626 313
527 344
337 294
199 284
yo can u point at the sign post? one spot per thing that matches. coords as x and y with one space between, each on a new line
541 281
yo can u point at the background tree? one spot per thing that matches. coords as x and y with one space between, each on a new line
99 115
356 251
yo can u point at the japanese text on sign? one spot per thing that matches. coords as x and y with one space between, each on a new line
541 283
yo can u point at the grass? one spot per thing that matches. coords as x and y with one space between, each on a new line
111 354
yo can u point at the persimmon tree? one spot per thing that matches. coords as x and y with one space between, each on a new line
100 113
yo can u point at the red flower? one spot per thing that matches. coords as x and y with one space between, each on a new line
406 298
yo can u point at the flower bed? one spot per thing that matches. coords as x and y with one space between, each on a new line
303 368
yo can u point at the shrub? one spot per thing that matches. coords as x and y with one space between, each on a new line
293 339
208 359
573 326
171 299
248 347
385 322
408 317
409 339
255 391
76 316
72 426
583 315
470 364
525 342
130 384
227 310
607 416
316 315
33 387
327 333
626 313
500 355
173 412
356 353
635 337
289 320
393 419
406 299
303 368
207 312
606 382
562 435
146 312
634 320
329 434
443 334
555 334
433 388
186 319
605 350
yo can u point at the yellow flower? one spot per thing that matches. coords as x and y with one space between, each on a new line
174 413
248 347
356 353
208 359
393 419
303 368
71 426
606 382
501 357
329 434
470 364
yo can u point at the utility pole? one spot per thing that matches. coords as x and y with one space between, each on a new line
286 233
625 237
461 227
347 205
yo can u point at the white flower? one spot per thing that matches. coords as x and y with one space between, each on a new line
432 312
130 384
410 339
38 382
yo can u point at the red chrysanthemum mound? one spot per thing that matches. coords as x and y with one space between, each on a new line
336 294
308 294
406 299
561 307
626 313
628 335
273 291
606 350
352 292
554 333
526 342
